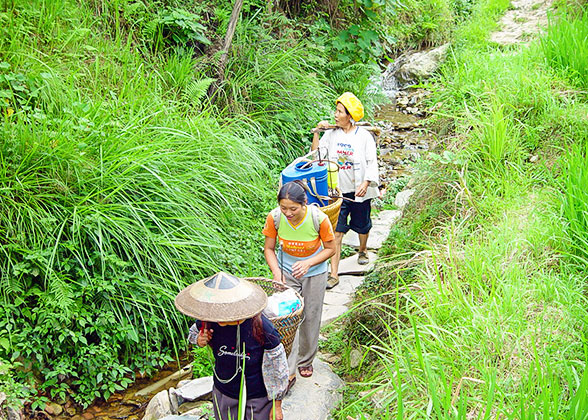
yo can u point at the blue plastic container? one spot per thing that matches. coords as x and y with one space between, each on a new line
315 176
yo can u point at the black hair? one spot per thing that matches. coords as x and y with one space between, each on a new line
344 107
293 190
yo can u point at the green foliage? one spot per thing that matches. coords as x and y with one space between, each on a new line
575 200
120 183
15 392
414 24
202 362
565 45
494 135
356 44
176 27
275 81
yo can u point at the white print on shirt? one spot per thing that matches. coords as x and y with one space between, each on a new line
222 351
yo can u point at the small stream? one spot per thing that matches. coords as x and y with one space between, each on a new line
127 405
402 141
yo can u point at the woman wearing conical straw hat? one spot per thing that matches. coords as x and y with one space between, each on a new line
244 344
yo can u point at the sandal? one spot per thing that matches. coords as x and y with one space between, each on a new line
362 258
291 383
305 371
332 282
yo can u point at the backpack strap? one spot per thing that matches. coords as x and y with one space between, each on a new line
277 216
315 213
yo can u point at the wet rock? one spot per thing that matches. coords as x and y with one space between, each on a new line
165 382
174 400
13 414
420 65
195 389
196 408
330 358
158 407
53 409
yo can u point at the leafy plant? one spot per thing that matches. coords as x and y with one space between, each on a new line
202 362
177 26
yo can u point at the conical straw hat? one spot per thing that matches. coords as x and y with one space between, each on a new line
221 298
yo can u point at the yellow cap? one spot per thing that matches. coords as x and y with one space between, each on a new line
353 105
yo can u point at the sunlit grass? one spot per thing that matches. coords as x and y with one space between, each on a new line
575 202
565 46
488 328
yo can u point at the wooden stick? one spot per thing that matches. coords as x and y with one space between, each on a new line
374 130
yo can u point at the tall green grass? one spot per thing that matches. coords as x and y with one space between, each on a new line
483 316
279 82
120 184
487 328
575 200
565 46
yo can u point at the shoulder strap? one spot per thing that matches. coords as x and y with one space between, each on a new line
276 215
315 212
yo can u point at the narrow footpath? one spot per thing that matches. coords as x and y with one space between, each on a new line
313 398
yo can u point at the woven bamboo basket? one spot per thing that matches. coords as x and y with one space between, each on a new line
333 209
286 325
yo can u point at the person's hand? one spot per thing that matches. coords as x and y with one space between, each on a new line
279 277
276 411
362 189
204 336
323 124
300 268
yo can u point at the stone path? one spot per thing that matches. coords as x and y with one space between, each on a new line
522 21
315 397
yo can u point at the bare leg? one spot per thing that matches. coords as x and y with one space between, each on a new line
337 257
363 238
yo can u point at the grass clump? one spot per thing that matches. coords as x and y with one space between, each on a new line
565 46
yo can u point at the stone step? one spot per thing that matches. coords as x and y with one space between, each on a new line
349 265
379 232
313 398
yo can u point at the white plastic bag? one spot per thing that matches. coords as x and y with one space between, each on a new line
281 303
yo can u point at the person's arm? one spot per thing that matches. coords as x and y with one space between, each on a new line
274 369
269 251
371 167
315 136
276 411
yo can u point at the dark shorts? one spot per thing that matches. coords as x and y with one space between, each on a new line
360 216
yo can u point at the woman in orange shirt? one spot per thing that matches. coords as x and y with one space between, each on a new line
301 263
